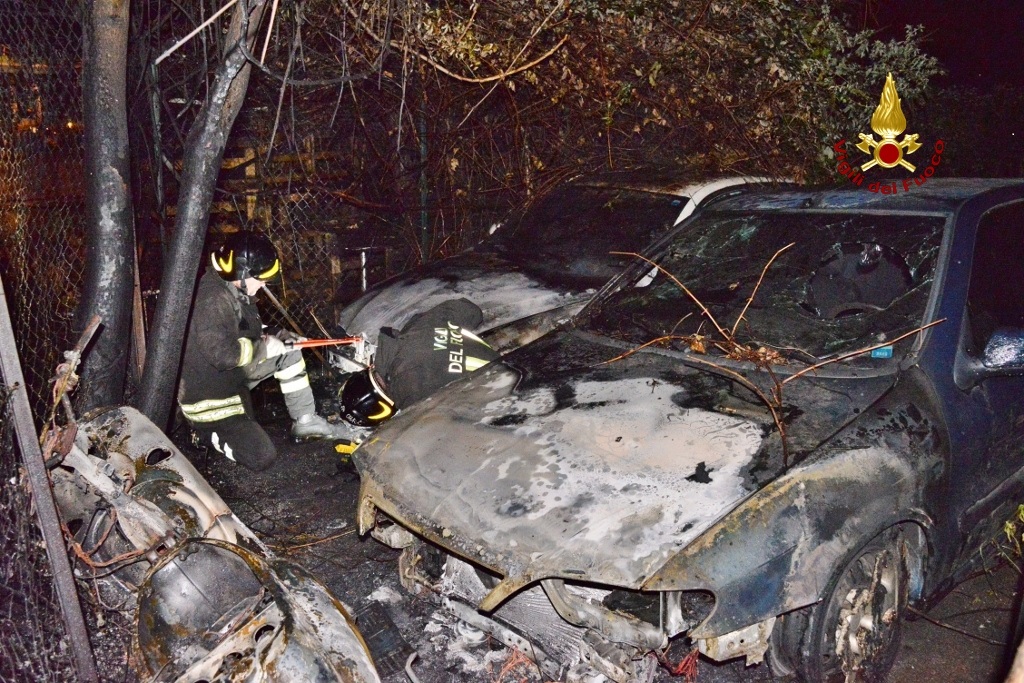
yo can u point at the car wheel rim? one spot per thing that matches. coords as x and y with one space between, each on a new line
867 609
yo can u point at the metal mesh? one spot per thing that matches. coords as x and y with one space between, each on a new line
41 180
41 238
33 647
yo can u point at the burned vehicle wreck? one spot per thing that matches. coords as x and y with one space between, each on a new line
544 263
807 420
211 602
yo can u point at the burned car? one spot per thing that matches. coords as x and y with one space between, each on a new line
211 602
809 419
542 265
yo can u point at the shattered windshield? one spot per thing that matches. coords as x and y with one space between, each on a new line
572 231
848 281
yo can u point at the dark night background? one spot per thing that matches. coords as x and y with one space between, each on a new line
979 43
978 105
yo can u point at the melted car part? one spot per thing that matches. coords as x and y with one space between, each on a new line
212 602
215 611
750 642
563 650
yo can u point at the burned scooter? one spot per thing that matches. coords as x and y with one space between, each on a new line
211 602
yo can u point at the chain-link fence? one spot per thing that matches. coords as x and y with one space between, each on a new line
33 647
41 240
41 180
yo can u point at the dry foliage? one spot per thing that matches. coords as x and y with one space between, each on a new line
437 118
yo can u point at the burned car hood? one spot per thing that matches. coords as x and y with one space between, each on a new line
558 463
503 291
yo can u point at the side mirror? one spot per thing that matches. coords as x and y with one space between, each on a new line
1003 356
1004 350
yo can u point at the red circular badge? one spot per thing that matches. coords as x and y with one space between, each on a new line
889 153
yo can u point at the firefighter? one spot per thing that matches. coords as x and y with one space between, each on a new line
227 353
433 349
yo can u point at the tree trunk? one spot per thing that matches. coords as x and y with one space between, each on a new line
204 152
109 272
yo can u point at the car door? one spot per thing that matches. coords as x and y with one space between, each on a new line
987 470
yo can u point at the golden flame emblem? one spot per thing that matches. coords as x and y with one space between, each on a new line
888 121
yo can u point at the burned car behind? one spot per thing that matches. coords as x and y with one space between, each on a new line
807 421
211 602
541 265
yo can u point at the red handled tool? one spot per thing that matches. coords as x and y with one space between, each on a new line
312 343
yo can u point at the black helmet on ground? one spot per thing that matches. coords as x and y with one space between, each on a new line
363 400
246 254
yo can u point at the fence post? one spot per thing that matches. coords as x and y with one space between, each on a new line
42 494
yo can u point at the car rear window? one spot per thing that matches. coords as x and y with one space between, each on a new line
573 231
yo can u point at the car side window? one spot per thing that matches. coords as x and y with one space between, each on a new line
995 300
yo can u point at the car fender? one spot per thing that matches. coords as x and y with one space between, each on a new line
776 551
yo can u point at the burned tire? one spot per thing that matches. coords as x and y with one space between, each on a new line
854 633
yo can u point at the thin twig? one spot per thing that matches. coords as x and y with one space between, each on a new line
290 548
465 79
962 632
280 99
773 406
317 322
270 29
486 79
627 354
750 299
526 45
172 49
703 308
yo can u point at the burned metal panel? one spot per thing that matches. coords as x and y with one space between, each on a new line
212 602
777 550
539 497
503 292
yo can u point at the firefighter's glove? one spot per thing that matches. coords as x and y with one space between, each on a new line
287 336
274 347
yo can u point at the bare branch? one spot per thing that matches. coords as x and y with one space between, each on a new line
172 49
732 332
703 308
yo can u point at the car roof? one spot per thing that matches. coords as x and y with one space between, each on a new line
935 194
676 183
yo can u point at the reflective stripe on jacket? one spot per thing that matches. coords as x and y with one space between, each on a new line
223 337
213 409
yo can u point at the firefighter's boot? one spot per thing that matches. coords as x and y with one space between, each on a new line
312 426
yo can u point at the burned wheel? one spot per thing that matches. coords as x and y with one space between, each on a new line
854 633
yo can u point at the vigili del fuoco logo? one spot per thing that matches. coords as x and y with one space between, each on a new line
888 122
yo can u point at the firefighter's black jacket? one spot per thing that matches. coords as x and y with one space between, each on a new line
434 348
224 336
